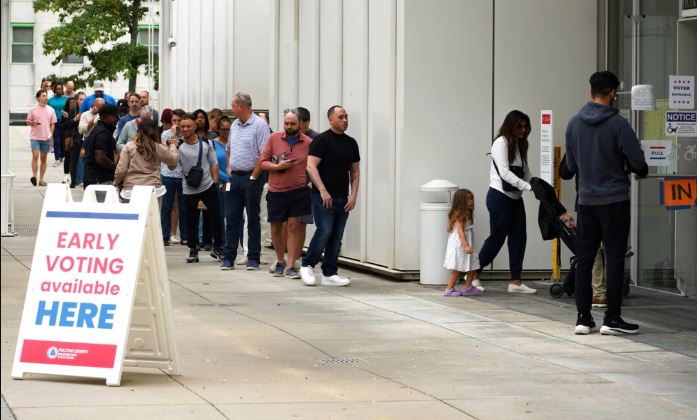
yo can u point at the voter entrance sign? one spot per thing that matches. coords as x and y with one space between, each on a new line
98 295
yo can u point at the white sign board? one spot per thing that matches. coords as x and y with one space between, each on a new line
643 98
82 285
658 152
681 92
546 147
681 123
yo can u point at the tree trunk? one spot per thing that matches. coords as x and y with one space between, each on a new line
133 27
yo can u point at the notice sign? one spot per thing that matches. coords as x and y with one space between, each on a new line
678 193
658 152
81 287
546 147
681 91
681 123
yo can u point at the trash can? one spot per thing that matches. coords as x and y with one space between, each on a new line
436 199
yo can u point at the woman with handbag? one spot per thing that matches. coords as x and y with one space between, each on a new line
509 176
70 110
140 160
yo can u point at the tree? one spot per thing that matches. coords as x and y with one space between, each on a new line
97 29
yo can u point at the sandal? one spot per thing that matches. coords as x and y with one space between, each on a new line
42 183
33 181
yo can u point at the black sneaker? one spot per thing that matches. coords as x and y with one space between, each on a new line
618 327
166 241
585 325
193 256
217 254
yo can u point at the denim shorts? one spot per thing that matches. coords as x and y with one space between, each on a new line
43 146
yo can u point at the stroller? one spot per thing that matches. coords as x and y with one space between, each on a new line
552 226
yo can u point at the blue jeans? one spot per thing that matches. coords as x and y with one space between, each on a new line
80 170
330 223
244 194
58 142
174 189
506 220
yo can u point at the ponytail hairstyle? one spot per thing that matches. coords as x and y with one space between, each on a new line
508 131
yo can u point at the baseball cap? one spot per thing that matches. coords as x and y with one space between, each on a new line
108 109
98 85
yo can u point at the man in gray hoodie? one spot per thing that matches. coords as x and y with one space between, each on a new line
602 149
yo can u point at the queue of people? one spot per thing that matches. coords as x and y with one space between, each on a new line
212 173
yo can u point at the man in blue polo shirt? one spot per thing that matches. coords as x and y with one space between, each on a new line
248 136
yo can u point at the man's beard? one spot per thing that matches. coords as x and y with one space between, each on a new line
291 133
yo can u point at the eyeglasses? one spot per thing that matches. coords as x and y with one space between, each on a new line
287 110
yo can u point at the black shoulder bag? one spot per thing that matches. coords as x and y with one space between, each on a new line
195 174
518 171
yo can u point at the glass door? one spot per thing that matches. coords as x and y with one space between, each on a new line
642 48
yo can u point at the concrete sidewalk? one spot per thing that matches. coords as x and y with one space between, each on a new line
257 347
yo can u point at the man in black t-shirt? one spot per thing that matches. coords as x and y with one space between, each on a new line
333 162
100 162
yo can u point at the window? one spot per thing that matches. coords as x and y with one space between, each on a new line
22 42
149 36
74 59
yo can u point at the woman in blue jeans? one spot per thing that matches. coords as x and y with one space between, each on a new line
509 175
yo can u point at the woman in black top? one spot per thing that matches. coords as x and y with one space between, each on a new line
70 121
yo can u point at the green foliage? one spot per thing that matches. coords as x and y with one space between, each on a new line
103 31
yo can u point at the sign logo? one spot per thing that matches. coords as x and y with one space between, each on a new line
546 118
52 353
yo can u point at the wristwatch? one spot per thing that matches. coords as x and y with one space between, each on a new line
252 177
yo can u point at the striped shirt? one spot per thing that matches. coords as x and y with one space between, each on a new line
246 142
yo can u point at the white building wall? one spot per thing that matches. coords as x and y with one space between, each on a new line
447 110
25 79
423 99
222 47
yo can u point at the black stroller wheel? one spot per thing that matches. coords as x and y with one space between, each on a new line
626 287
556 290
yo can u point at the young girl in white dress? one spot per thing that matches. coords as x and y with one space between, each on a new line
460 255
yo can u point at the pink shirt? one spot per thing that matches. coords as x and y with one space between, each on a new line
46 117
294 177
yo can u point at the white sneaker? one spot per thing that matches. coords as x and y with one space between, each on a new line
174 239
243 260
512 288
335 280
478 284
307 273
